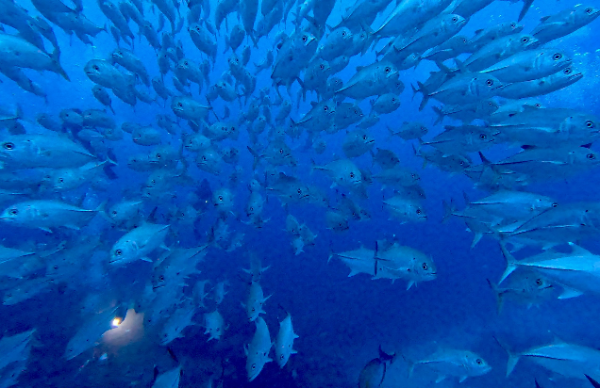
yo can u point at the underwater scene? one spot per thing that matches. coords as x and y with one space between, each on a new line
299 193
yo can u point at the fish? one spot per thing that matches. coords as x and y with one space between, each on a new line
284 342
138 243
373 374
257 352
256 300
454 362
89 333
573 271
214 325
47 215
568 359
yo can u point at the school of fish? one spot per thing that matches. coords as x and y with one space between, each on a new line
86 195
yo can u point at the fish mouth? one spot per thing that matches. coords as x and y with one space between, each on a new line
575 77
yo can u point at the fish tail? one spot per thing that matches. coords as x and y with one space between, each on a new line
525 8
385 356
423 90
57 66
512 358
256 157
449 210
511 262
440 115
411 365
498 294
415 91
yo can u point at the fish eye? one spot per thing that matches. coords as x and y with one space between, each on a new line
9 146
281 151
351 175
590 124
555 204
161 277
281 357
325 108
461 163
204 158
118 252
322 66
61 180
479 361
220 198
557 56
591 156
419 211
180 105
513 25
424 266
253 366
232 129
589 10
414 176
198 28
251 208
299 191
465 40
14 212
304 38
388 69
158 156
455 19
524 39
483 136
538 282
364 137
567 70
489 82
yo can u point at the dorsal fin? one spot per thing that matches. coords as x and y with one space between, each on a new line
577 250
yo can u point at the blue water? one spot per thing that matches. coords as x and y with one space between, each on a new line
341 321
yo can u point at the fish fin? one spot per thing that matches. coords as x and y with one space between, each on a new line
576 249
498 294
463 378
512 358
476 238
593 382
411 365
440 115
537 385
569 293
543 19
441 378
45 229
147 259
425 96
511 262
449 210
410 284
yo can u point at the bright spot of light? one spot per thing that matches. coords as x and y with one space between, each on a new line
116 322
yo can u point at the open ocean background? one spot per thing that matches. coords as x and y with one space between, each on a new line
341 320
